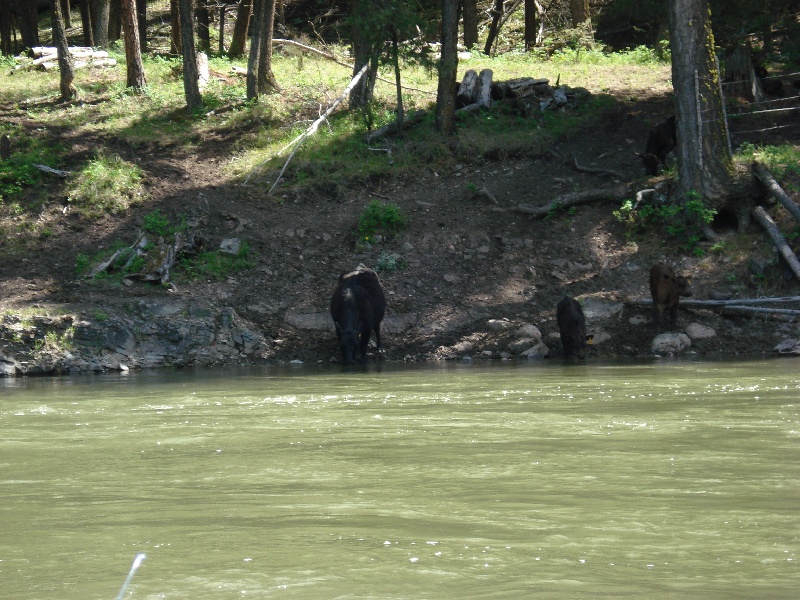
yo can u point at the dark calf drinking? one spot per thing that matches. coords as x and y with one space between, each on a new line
661 141
666 288
357 308
572 327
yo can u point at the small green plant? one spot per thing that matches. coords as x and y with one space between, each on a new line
100 315
390 262
82 264
684 222
157 224
53 342
106 184
379 219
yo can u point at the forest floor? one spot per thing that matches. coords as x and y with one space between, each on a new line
465 260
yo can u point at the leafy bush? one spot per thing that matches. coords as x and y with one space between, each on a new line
684 222
390 262
378 218
216 265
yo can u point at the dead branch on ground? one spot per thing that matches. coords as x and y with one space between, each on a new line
595 170
775 189
760 215
615 192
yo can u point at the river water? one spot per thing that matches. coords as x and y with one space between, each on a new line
549 480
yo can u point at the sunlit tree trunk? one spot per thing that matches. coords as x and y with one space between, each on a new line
704 159
239 36
191 87
448 65
494 28
101 12
260 78
62 48
133 54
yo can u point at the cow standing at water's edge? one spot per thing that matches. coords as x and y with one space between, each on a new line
357 307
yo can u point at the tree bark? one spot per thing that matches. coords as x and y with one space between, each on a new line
114 20
28 23
175 31
141 13
776 190
365 52
260 78
202 18
494 28
86 23
65 14
705 162
101 13
760 215
133 54
579 11
239 37
470 16
190 85
533 24
448 66
67 75
5 28
740 76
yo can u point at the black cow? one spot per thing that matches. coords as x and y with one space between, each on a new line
661 141
357 308
666 288
572 327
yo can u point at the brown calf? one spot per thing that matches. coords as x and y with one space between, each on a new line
666 289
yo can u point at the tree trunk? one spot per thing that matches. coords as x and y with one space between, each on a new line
396 61
448 66
141 14
740 76
201 15
65 14
494 28
579 11
64 58
115 21
175 31
239 37
534 24
86 24
133 54
101 12
365 52
190 85
260 78
28 23
5 28
470 16
705 163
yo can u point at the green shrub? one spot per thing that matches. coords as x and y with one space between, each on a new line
216 265
380 219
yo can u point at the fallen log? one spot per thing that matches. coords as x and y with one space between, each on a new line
721 303
760 215
466 91
616 192
595 170
775 189
483 94
53 171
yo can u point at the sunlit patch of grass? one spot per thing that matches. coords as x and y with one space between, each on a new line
106 184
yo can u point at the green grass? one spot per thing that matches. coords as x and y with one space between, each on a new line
106 184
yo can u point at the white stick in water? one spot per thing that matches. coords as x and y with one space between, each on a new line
136 562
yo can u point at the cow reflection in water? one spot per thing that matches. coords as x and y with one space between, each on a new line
357 308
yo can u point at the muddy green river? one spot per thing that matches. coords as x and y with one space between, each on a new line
549 480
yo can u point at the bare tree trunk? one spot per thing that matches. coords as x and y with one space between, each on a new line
260 78
494 28
115 21
28 23
64 58
740 76
201 15
579 10
533 24
448 66
175 31
141 13
86 23
396 60
65 14
470 16
365 52
190 85
133 54
5 28
239 37
705 162
101 12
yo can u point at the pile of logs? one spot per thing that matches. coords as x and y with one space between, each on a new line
526 95
45 58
